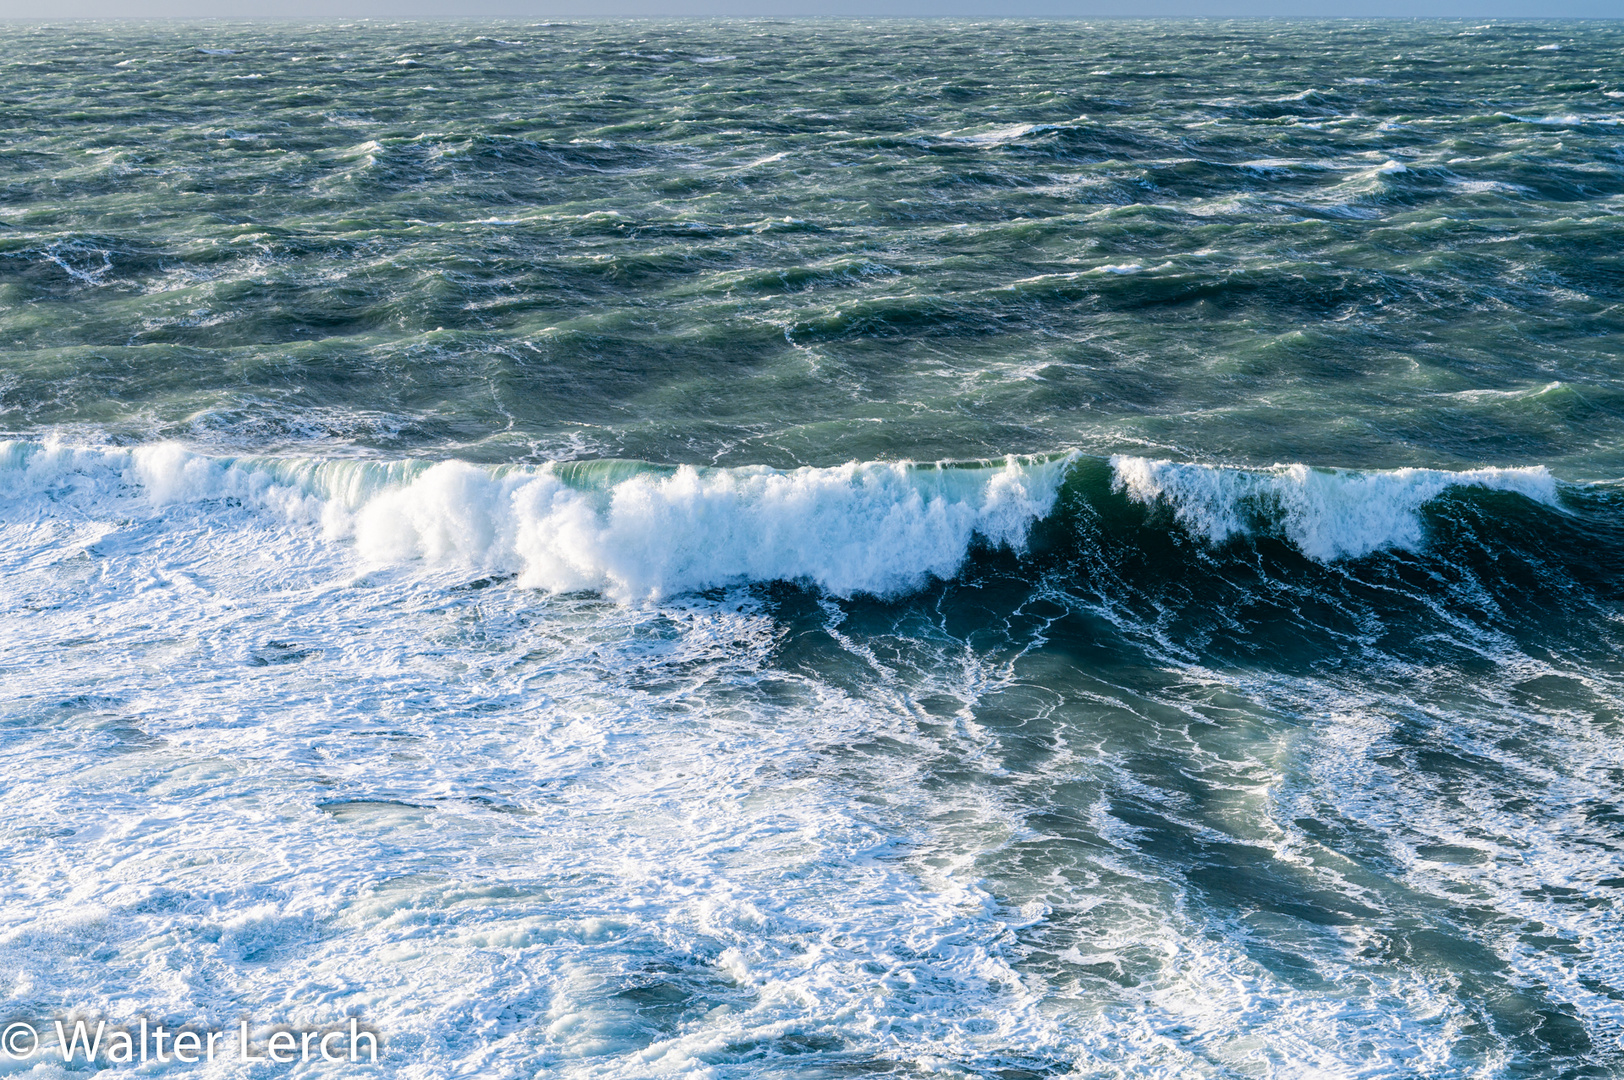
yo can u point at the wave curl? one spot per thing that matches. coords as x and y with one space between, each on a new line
635 531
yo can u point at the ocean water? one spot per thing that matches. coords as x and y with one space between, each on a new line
818 549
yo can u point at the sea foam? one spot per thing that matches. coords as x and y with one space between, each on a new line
869 528
1326 513
627 530
636 532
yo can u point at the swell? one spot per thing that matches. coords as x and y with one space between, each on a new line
636 531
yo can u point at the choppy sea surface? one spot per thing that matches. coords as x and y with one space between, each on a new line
755 550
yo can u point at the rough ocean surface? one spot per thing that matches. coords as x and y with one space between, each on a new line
779 550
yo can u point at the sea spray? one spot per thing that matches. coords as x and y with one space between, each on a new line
1326 513
631 532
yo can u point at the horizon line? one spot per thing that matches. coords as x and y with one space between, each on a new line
598 20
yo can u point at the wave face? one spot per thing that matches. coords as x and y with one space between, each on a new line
637 532
1326 513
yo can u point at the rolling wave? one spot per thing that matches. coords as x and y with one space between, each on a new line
628 530
1327 514
634 531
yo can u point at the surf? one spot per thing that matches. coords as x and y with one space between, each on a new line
636 532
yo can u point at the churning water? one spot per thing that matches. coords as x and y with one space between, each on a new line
820 549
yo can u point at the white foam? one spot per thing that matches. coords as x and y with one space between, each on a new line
633 535
1265 165
248 782
768 160
1566 120
1327 513
1478 187
605 831
1003 136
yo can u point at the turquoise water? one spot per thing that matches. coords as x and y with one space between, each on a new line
820 548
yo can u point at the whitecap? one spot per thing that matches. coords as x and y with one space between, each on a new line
1265 165
1478 187
768 160
1001 136
628 531
1327 514
1565 120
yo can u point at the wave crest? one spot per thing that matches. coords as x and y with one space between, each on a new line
634 531
857 528
628 530
1327 514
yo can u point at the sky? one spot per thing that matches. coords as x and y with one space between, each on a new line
661 9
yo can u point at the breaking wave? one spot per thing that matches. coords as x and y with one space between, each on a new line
629 530
1327 514
634 531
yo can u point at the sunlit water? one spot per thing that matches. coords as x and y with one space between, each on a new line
819 549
